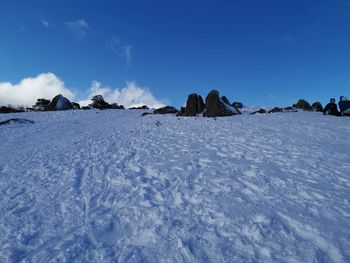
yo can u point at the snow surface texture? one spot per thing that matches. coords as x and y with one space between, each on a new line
103 186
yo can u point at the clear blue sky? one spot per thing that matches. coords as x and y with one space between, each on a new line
259 52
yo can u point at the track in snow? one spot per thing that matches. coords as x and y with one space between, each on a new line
109 185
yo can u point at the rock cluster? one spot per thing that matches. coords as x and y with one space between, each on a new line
194 106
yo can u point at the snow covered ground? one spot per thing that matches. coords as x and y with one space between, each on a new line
106 186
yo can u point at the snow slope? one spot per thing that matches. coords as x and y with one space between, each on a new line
106 186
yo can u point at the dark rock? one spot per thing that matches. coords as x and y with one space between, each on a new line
76 106
215 107
116 106
288 109
5 109
200 104
146 113
144 107
225 100
261 111
166 110
16 120
303 105
60 103
85 108
41 105
237 105
317 106
275 109
194 105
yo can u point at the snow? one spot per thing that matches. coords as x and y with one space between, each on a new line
106 186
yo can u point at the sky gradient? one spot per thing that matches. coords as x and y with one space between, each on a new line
267 53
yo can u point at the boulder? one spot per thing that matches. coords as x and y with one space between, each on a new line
166 110
317 106
60 103
144 107
302 105
85 108
261 111
275 109
41 105
237 105
200 104
215 107
116 106
76 106
194 105
225 100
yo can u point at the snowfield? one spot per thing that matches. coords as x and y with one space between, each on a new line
107 186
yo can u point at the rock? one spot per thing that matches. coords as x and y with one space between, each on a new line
303 105
237 105
225 100
215 107
116 106
99 103
5 109
166 110
41 105
275 109
144 107
76 106
16 120
85 108
146 113
60 103
200 104
261 111
288 109
194 105
317 106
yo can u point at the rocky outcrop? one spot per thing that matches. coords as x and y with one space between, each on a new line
302 105
237 105
225 100
166 110
275 109
116 106
261 111
215 107
194 105
317 106
76 106
60 103
144 107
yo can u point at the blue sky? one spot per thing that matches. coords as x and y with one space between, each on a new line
258 52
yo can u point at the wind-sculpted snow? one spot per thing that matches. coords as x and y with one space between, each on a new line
106 186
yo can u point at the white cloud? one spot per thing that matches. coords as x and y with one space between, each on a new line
45 23
46 85
120 49
130 96
79 27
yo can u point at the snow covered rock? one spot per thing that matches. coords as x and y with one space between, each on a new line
166 110
261 111
60 103
275 109
194 105
317 106
302 105
16 120
215 107
237 105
